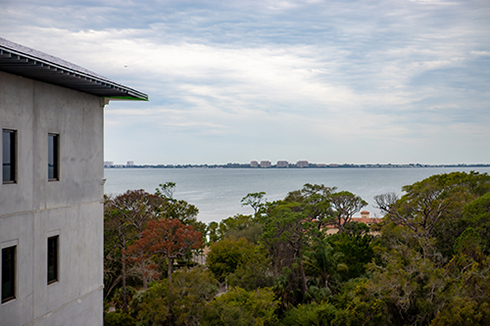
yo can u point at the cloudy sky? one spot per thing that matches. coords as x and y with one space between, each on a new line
388 81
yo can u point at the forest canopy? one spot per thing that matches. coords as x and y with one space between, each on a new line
425 262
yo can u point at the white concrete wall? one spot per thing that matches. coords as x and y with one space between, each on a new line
34 208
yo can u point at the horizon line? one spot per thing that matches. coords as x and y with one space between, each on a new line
268 164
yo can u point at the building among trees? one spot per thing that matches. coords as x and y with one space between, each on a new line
51 195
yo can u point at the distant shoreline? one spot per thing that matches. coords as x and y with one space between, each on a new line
293 166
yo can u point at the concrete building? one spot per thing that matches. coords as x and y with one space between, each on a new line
302 164
254 164
51 209
282 164
265 164
369 221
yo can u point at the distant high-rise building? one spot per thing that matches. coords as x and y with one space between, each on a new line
265 164
254 164
302 164
282 164
130 164
108 164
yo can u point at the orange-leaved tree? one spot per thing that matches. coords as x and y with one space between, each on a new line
134 209
168 237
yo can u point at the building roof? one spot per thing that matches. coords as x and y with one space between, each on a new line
366 220
23 61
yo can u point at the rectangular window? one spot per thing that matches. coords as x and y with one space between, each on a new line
53 157
53 259
8 156
8 274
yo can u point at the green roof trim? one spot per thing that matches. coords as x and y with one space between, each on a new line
131 98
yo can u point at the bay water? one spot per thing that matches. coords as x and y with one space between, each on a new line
217 192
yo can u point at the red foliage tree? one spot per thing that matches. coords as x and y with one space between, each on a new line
168 237
135 208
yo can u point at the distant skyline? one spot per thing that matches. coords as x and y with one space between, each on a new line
324 81
286 164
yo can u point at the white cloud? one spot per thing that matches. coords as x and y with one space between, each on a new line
480 53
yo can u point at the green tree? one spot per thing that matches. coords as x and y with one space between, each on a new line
183 304
193 289
213 232
345 204
239 307
411 286
226 255
313 314
470 268
166 190
362 313
290 225
410 281
356 251
469 244
118 319
314 201
434 206
323 263
463 311
253 271
476 214
240 226
255 200
179 209
286 235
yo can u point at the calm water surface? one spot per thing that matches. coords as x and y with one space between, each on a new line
217 192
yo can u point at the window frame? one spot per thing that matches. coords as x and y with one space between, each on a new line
11 271
52 261
12 155
53 156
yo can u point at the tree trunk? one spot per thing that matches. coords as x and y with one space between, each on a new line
143 265
112 286
143 271
341 225
302 272
170 263
125 296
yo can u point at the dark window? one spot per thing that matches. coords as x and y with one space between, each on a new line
8 154
53 157
52 259
8 274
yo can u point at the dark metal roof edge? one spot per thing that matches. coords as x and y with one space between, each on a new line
92 77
